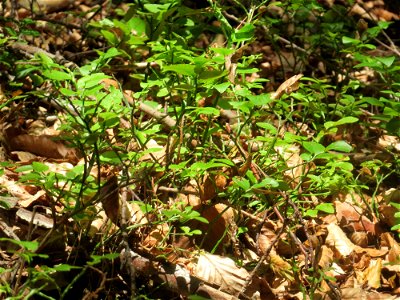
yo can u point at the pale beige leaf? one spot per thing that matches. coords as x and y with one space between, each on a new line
32 198
337 238
221 271
373 273
36 218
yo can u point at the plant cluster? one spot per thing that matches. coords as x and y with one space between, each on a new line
181 127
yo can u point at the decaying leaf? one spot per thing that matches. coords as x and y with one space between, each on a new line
221 271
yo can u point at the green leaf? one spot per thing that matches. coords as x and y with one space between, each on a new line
342 121
28 245
24 168
242 183
314 147
208 111
311 213
267 126
340 146
39 167
65 268
181 69
393 126
260 100
57 75
328 208
347 40
244 34
267 182
98 258
387 61
222 87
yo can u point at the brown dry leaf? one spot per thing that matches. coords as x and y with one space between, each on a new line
337 238
387 213
221 226
293 161
46 5
156 237
221 271
207 188
23 156
371 251
353 216
42 146
394 247
389 142
287 87
325 257
109 197
391 195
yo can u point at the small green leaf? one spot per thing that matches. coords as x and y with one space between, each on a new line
326 207
340 146
24 168
65 268
314 147
347 40
39 167
181 69
222 87
243 34
57 75
345 120
208 111
28 245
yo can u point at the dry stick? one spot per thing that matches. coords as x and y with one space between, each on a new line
29 51
159 116
392 46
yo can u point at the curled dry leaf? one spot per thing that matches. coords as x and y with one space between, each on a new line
221 271
287 87
338 240
281 267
